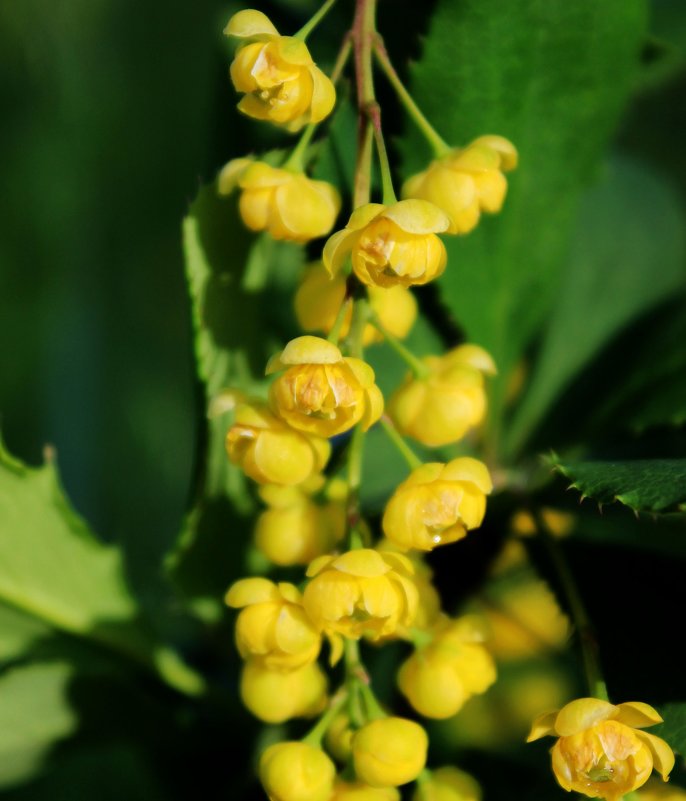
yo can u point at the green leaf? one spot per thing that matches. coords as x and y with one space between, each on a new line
235 334
18 632
673 730
551 76
52 569
34 714
628 254
651 485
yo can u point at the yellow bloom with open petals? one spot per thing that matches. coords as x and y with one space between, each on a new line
288 205
601 751
444 405
275 697
321 392
271 452
448 784
272 625
389 752
441 676
466 181
361 592
437 504
392 245
295 771
295 528
277 75
320 297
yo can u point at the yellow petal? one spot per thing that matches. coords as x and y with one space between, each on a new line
293 51
310 350
307 209
473 356
230 174
255 208
336 646
579 715
491 187
250 23
364 373
361 562
363 215
323 95
283 457
503 147
289 592
293 632
467 469
663 756
374 405
475 158
251 591
337 249
544 724
318 564
423 475
261 175
637 714
417 216
399 562
379 597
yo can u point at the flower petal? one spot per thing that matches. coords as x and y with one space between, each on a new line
337 249
579 715
467 469
663 756
250 24
251 591
364 562
418 216
230 174
544 724
310 350
637 714
472 356
323 95
503 147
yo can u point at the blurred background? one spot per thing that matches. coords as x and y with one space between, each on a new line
113 113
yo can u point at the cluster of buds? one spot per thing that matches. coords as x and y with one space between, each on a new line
322 398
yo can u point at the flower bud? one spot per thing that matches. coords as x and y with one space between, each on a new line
288 205
321 392
296 529
272 625
357 791
448 784
360 592
392 245
437 504
276 73
601 751
389 752
339 738
275 697
444 405
466 181
271 452
320 297
295 771
438 678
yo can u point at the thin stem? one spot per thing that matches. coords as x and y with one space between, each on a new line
335 333
295 162
438 144
374 113
584 627
362 34
354 673
315 735
363 166
314 20
408 454
374 709
416 365
341 59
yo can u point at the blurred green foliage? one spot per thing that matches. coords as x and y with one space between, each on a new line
117 675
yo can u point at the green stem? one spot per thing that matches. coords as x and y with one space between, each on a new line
587 639
362 35
315 735
335 333
312 23
408 454
341 59
296 161
363 166
374 709
374 113
354 671
417 366
438 144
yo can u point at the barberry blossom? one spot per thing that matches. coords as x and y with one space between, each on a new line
437 504
285 203
321 392
601 750
280 81
392 245
466 181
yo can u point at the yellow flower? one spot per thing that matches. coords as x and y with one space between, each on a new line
437 504
275 697
448 784
438 678
295 529
443 406
280 81
391 245
466 181
320 297
360 592
288 205
294 771
271 452
601 751
339 736
358 791
272 624
389 752
321 392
